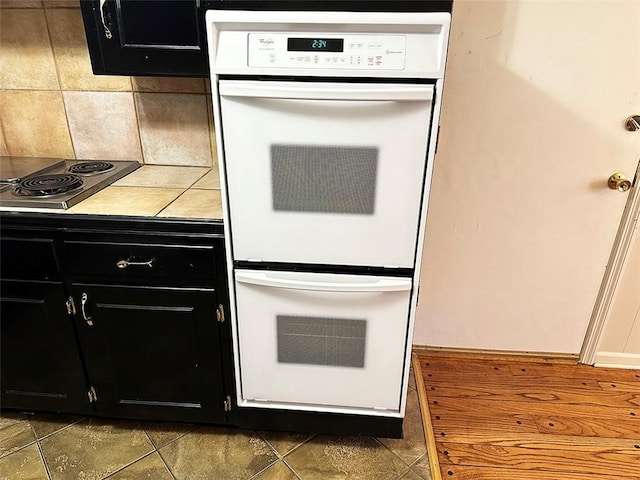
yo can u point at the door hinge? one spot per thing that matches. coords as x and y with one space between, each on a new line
227 404
71 306
220 313
93 398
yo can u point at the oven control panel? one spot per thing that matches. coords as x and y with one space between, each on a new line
303 50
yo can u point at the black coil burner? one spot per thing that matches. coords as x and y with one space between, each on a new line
48 185
91 168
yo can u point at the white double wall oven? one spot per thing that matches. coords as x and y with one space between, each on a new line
325 123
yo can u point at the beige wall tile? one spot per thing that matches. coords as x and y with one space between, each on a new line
210 181
195 204
72 55
168 84
3 145
163 176
34 124
103 125
133 201
174 129
61 3
212 131
26 59
20 4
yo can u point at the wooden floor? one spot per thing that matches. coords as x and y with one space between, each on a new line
497 418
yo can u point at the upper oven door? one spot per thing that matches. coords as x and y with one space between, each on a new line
325 173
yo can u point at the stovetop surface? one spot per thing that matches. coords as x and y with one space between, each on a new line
54 183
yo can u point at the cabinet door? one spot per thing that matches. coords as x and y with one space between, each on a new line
151 352
146 37
40 363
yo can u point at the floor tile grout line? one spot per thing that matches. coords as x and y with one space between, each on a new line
273 448
44 460
60 430
284 460
394 453
166 465
128 464
137 459
22 447
255 475
196 427
311 437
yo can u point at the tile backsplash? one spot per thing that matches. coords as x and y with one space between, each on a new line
52 105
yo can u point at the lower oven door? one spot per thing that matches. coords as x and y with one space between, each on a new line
325 173
326 342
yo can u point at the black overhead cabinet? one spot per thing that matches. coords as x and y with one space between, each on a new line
169 38
147 37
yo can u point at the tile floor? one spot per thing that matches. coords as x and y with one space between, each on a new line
57 447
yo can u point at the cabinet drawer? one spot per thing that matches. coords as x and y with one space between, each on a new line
152 263
28 258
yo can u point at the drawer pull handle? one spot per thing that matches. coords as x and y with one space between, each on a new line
83 303
129 263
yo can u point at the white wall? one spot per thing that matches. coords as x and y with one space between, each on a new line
520 221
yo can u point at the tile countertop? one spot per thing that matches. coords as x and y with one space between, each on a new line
158 191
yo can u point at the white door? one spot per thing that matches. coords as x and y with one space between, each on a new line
329 340
325 173
521 222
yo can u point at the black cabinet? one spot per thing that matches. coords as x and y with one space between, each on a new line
168 37
117 317
147 37
152 352
41 367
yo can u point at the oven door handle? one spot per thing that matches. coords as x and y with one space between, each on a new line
269 279
326 91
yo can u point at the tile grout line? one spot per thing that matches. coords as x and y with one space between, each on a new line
59 430
6 454
255 476
394 453
166 465
157 450
118 470
171 202
313 435
154 450
196 427
44 460
59 79
284 460
275 450
137 114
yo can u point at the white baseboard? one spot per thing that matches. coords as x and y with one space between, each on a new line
617 360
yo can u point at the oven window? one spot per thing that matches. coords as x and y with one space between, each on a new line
338 342
326 179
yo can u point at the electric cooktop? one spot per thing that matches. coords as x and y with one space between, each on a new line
55 183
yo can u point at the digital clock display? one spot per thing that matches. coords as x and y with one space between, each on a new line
315 45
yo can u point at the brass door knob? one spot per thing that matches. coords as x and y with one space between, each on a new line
618 181
632 123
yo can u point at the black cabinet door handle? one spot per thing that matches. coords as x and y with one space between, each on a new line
107 30
83 305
